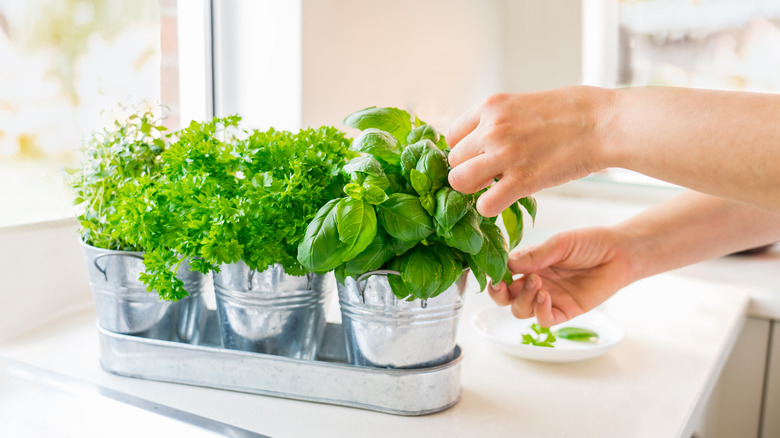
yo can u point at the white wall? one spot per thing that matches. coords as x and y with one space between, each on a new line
436 57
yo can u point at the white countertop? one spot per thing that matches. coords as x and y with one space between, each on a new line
679 328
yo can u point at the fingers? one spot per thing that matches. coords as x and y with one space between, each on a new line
498 197
546 314
462 127
475 174
536 258
524 295
499 293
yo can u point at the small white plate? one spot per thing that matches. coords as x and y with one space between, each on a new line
505 332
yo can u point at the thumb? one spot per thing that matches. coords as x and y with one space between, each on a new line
536 258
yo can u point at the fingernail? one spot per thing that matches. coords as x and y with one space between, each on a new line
530 283
540 297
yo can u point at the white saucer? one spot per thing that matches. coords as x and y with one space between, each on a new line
504 331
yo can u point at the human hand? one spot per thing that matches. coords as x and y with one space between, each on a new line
567 275
528 142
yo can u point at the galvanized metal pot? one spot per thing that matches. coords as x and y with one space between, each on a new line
382 331
125 306
270 311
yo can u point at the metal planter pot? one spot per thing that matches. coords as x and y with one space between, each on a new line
382 331
271 312
125 306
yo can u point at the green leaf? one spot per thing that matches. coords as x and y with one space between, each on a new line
420 182
366 165
493 256
404 217
451 206
356 223
479 274
396 283
512 218
321 250
376 254
411 155
392 120
451 269
374 195
529 203
382 145
466 234
429 203
421 272
577 334
542 338
423 132
433 163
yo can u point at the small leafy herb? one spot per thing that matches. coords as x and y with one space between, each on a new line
114 158
423 228
542 336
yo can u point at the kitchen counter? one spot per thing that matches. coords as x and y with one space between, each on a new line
679 330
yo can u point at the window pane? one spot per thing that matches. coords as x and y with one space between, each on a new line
67 65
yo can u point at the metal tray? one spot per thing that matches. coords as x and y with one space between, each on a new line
329 379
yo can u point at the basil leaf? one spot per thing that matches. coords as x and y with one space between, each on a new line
512 218
401 246
422 272
403 217
493 256
354 190
356 224
529 203
424 132
451 206
365 164
429 203
396 283
395 121
479 274
380 144
451 269
433 163
411 155
442 144
466 235
374 195
420 182
321 250
340 273
577 334
376 254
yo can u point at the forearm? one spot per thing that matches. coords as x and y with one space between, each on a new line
694 227
722 143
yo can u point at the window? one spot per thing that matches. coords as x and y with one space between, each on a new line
67 66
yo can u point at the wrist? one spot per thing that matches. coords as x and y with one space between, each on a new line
605 116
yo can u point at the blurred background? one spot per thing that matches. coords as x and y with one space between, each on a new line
70 67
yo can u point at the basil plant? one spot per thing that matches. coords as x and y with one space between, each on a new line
399 213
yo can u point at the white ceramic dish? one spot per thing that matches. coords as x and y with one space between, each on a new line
504 331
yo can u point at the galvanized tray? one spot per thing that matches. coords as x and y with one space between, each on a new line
329 379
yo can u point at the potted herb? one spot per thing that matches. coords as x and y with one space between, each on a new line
236 203
400 241
114 159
